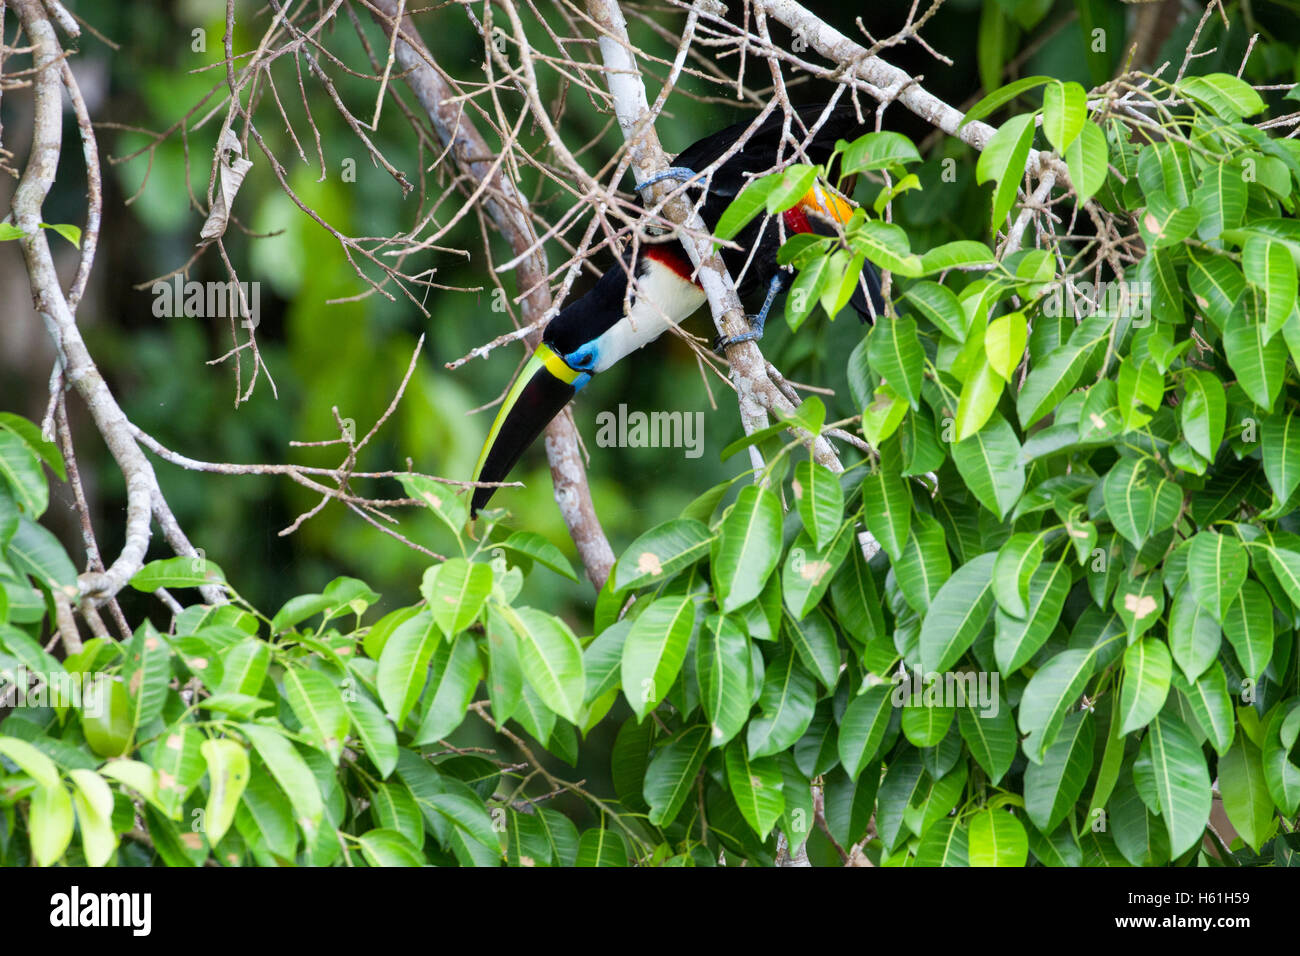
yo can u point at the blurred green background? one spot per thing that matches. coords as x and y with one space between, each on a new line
352 355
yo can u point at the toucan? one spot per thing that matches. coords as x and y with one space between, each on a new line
595 331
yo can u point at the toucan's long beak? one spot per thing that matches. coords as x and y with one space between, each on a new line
543 387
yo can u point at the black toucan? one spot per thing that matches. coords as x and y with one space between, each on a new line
594 332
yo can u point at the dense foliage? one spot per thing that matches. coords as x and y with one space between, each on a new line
1077 636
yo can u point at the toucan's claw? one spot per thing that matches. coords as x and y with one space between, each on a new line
680 173
756 322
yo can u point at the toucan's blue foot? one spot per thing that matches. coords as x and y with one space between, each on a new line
680 173
756 322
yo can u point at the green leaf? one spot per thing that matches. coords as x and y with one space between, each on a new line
992 101
1194 635
819 501
1065 110
1221 199
748 547
862 728
1051 694
1086 159
147 673
787 701
404 665
394 807
1258 361
1216 568
1003 161
1248 624
1147 672
385 847
1017 559
940 305
990 733
877 151
1054 785
244 667
1280 773
540 550
318 705
944 844
808 571
49 823
30 761
991 465
957 614
896 356
450 508
464 811
1280 451
35 551
924 564
997 839
1204 413
741 211
888 508
1048 382
457 670
887 245
1139 603
291 773
1211 705
1246 799
979 398
815 643
1018 639
1268 266
655 650
1139 384
179 572
376 733
551 659
297 609
756 787
21 468
954 255
881 418
1004 344
792 184
1129 500
601 847
94 803
179 763
456 591
661 552
925 725
1228 96
67 231
1172 757
722 668
228 770
806 292
670 778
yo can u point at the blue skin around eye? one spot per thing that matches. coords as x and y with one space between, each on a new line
583 359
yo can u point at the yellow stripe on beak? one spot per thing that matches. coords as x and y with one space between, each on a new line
556 365
544 386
